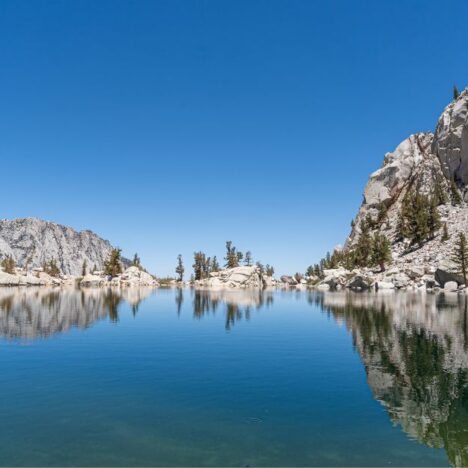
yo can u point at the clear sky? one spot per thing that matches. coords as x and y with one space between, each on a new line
172 126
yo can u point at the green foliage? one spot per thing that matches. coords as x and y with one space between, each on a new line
51 268
180 268
201 265
363 246
382 213
260 267
214 264
232 256
419 219
136 261
248 258
381 253
269 270
445 234
456 93
455 194
9 265
84 267
113 265
460 256
440 194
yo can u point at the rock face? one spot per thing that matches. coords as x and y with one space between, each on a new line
239 277
451 140
421 163
31 242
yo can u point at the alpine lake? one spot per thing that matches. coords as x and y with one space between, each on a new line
180 377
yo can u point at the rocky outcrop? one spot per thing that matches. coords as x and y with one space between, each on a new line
239 277
32 242
451 140
422 163
132 276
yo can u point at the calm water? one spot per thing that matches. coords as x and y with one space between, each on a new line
170 377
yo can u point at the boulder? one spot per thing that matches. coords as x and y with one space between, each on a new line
384 285
443 277
450 286
359 283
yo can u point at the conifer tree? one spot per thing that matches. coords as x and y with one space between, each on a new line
180 268
9 265
310 271
269 270
439 192
136 261
113 265
51 268
363 246
382 214
433 218
214 264
260 267
232 256
445 234
460 256
456 93
381 251
84 267
248 258
199 265
455 194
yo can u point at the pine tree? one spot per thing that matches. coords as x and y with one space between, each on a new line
456 93
433 218
445 234
51 268
269 270
136 261
460 256
9 265
180 268
84 267
260 267
363 246
381 252
199 265
232 256
214 264
113 265
455 194
439 192
248 258
310 271
382 214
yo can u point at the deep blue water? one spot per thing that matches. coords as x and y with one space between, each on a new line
178 377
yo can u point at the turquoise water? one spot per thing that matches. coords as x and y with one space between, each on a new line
177 377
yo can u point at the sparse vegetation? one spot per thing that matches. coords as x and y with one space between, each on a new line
9 265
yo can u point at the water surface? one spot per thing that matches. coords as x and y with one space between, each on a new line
177 377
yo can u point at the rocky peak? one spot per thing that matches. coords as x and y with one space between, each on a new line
451 140
32 241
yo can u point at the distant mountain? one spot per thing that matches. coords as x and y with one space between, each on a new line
33 241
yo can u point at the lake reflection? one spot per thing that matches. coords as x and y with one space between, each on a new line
293 384
415 350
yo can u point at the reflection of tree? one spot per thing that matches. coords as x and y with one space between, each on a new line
414 348
237 305
111 303
179 298
29 313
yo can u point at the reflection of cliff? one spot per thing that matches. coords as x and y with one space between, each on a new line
28 313
415 350
238 304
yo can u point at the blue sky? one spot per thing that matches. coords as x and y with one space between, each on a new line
172 126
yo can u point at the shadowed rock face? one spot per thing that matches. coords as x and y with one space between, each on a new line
415 350
31 242
451 140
